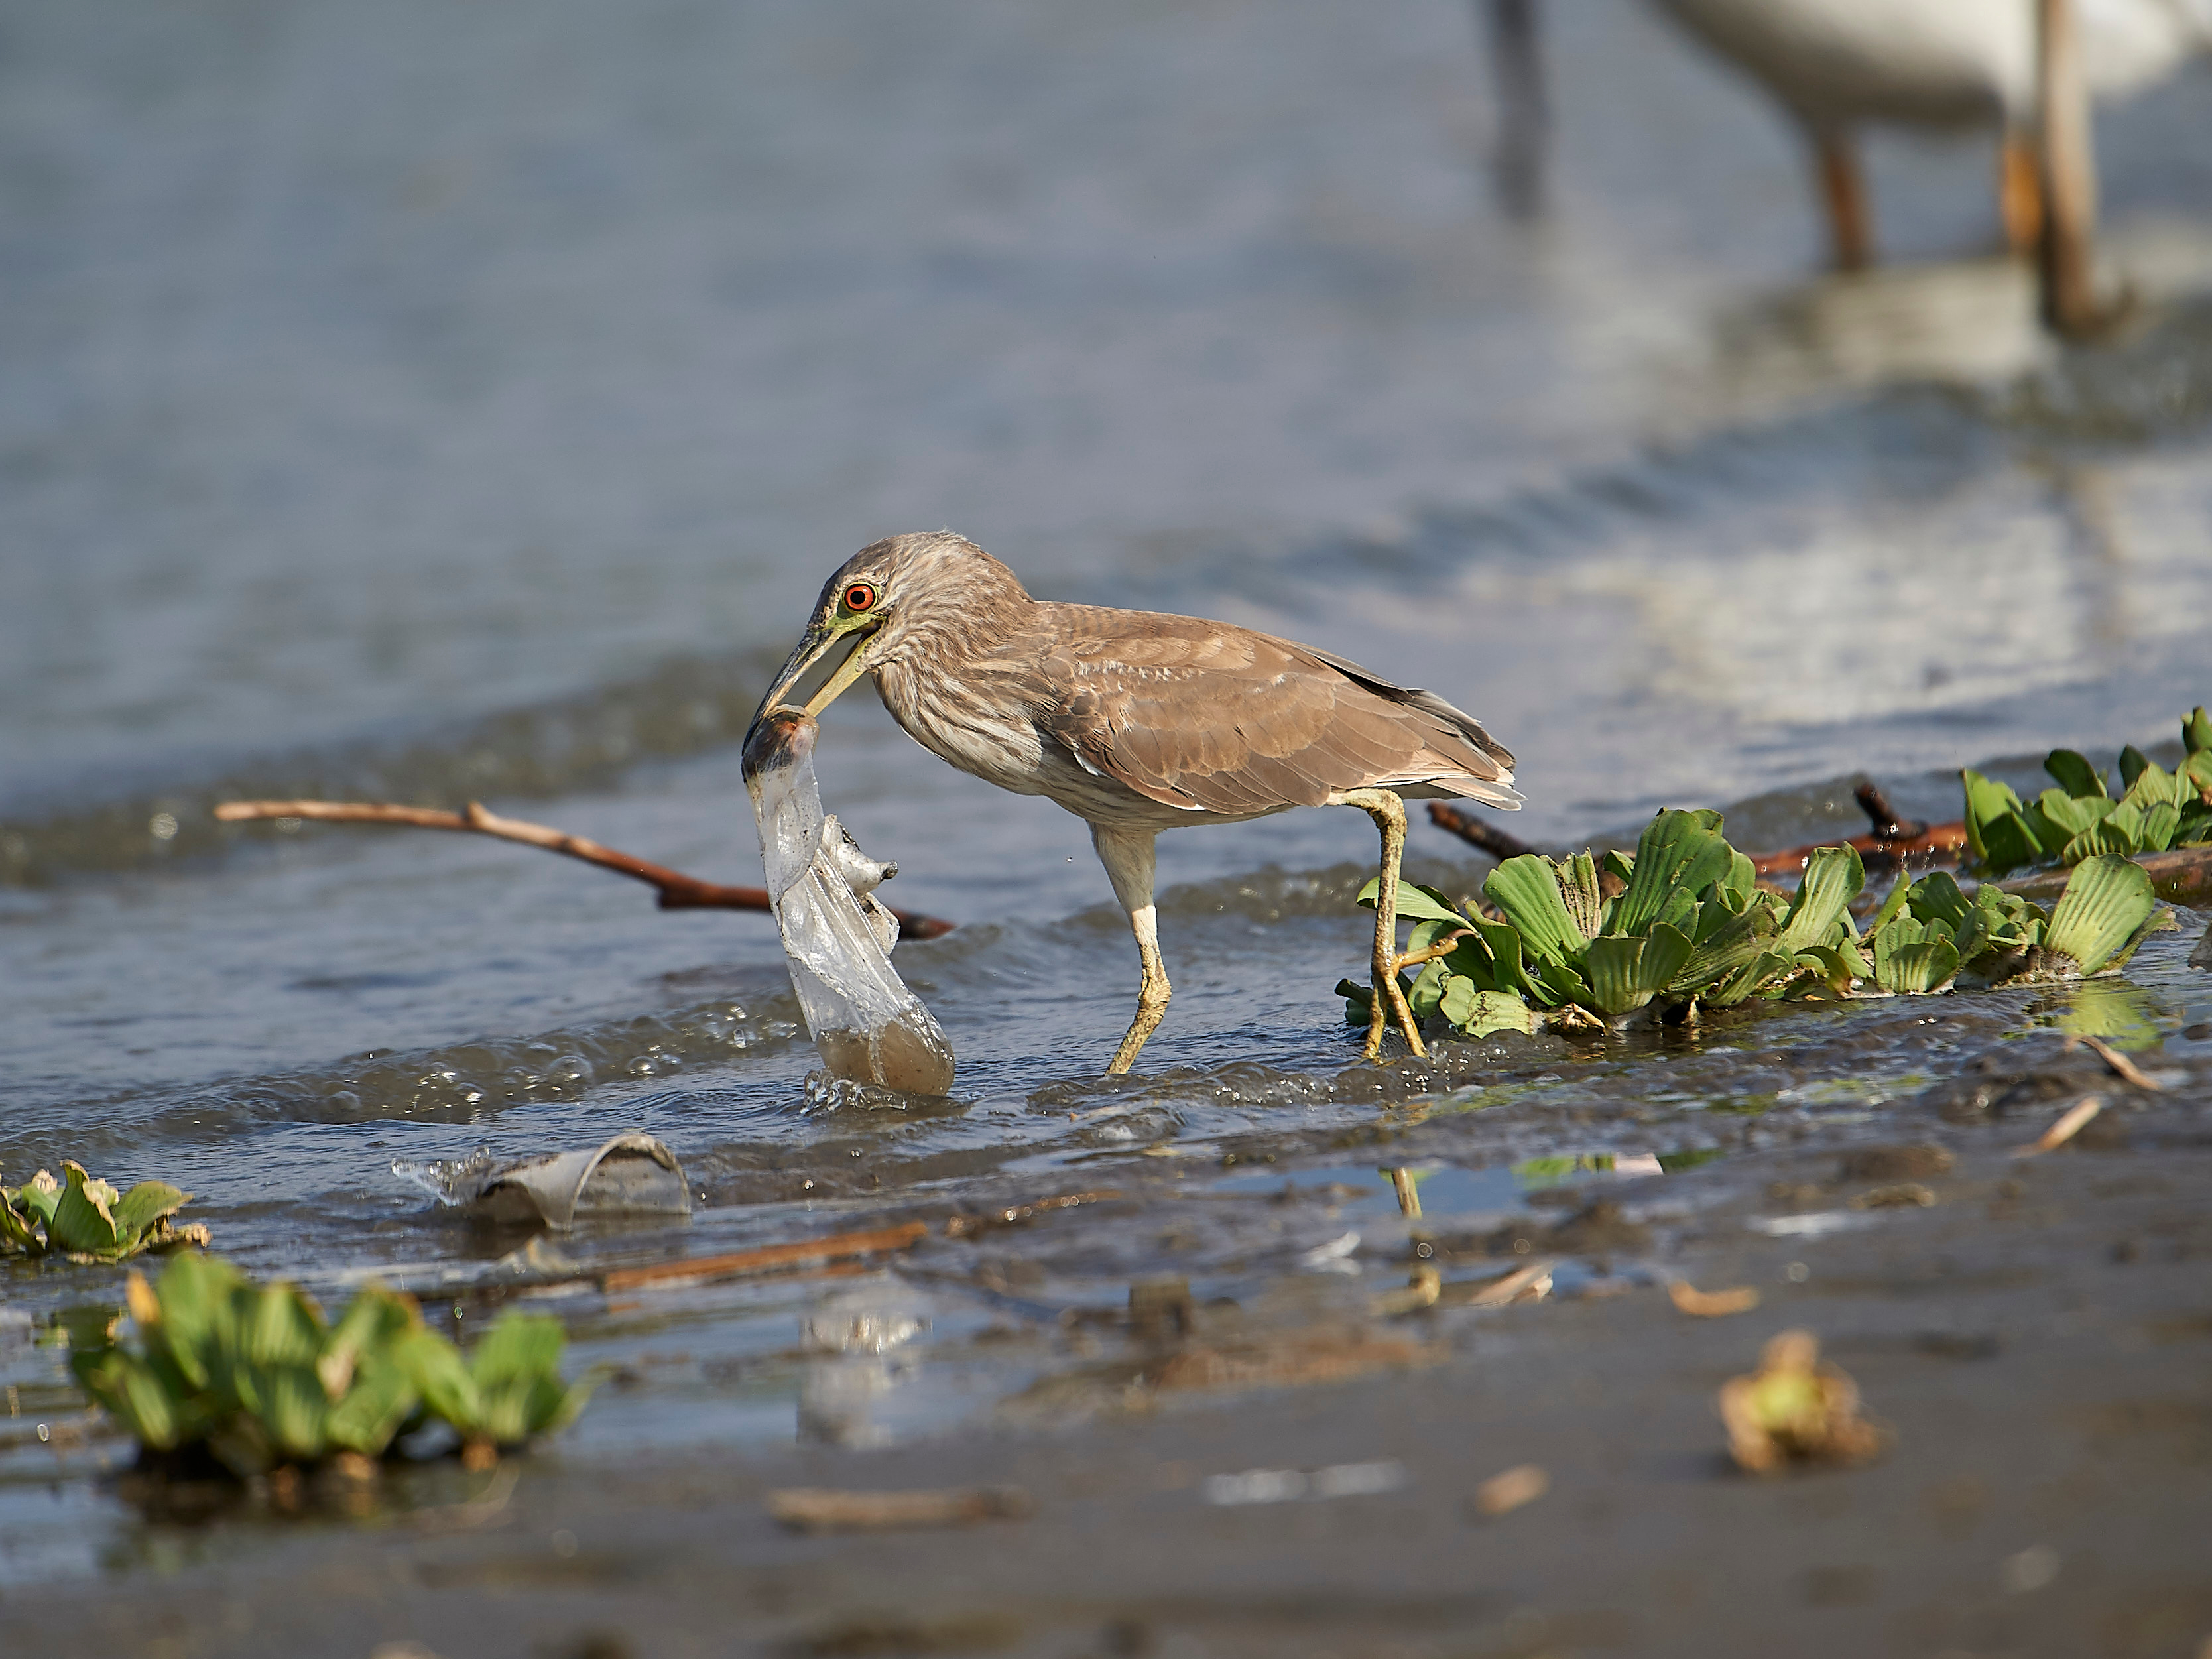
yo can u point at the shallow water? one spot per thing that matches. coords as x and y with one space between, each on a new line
419 406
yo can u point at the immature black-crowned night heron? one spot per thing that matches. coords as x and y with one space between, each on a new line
1137 722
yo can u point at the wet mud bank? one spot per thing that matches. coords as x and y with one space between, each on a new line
1283 1392
2036 1341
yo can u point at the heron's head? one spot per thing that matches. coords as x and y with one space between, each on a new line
886 595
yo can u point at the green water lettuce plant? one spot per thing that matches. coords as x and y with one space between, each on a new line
86 1220
2156 811
1585 942
253 1374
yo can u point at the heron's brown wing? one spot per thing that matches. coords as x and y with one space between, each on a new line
1208 717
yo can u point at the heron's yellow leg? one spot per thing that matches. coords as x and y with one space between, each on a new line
1127 855
1390 815
1152 999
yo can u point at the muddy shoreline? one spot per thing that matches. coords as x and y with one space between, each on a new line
2035 1332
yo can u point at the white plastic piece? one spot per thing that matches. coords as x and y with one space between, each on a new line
630 1175
837 936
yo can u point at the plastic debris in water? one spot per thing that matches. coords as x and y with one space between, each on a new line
630 1174
837 936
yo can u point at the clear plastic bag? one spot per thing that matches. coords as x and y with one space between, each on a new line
837 936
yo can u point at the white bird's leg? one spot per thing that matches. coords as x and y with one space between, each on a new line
1390 815
2019 192
1128 857
1843 192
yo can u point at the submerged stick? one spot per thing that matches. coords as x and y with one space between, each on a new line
2125 1069
1476 832
2182 875
821 1508
2064 1130
677 890
1891 844
770 1258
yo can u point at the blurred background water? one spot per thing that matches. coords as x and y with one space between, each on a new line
422 403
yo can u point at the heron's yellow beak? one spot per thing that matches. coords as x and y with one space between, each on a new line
818 642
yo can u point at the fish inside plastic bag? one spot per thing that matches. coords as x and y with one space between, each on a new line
836 935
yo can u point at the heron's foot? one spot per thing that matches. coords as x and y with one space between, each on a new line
1151 1007
1388 811
1400 1011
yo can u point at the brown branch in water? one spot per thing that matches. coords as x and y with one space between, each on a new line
1892 844
2182 875
767 1258
677 890
1888 826
2064 1130
2124 1068
1937 843
1477 832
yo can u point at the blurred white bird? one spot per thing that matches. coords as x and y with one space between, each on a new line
1935 65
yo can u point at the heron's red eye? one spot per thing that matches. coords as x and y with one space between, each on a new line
860 597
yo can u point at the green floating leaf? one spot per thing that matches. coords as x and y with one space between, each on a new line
374 1408
1737 941
1357 1001
2159 826
1937 897
517 1372
1527 889
39 1196
2155 786
2197 731
1415 903
17 1230
2197 773
1428 988
2070 816
2132 762
1580 892
253 1372
2107 905
86 1220
1763 971
1478 1013
1491 958
2074 773
1833 878
1625 973
1741 881
1910 955
148 1202
1678 851
83 1219
1999 836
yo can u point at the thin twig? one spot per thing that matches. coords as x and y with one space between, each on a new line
677 891
819 1508
1888 826
486 1509
771 1258
1477 832
1710 1304
2125 1069
2062 1131
1891 846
